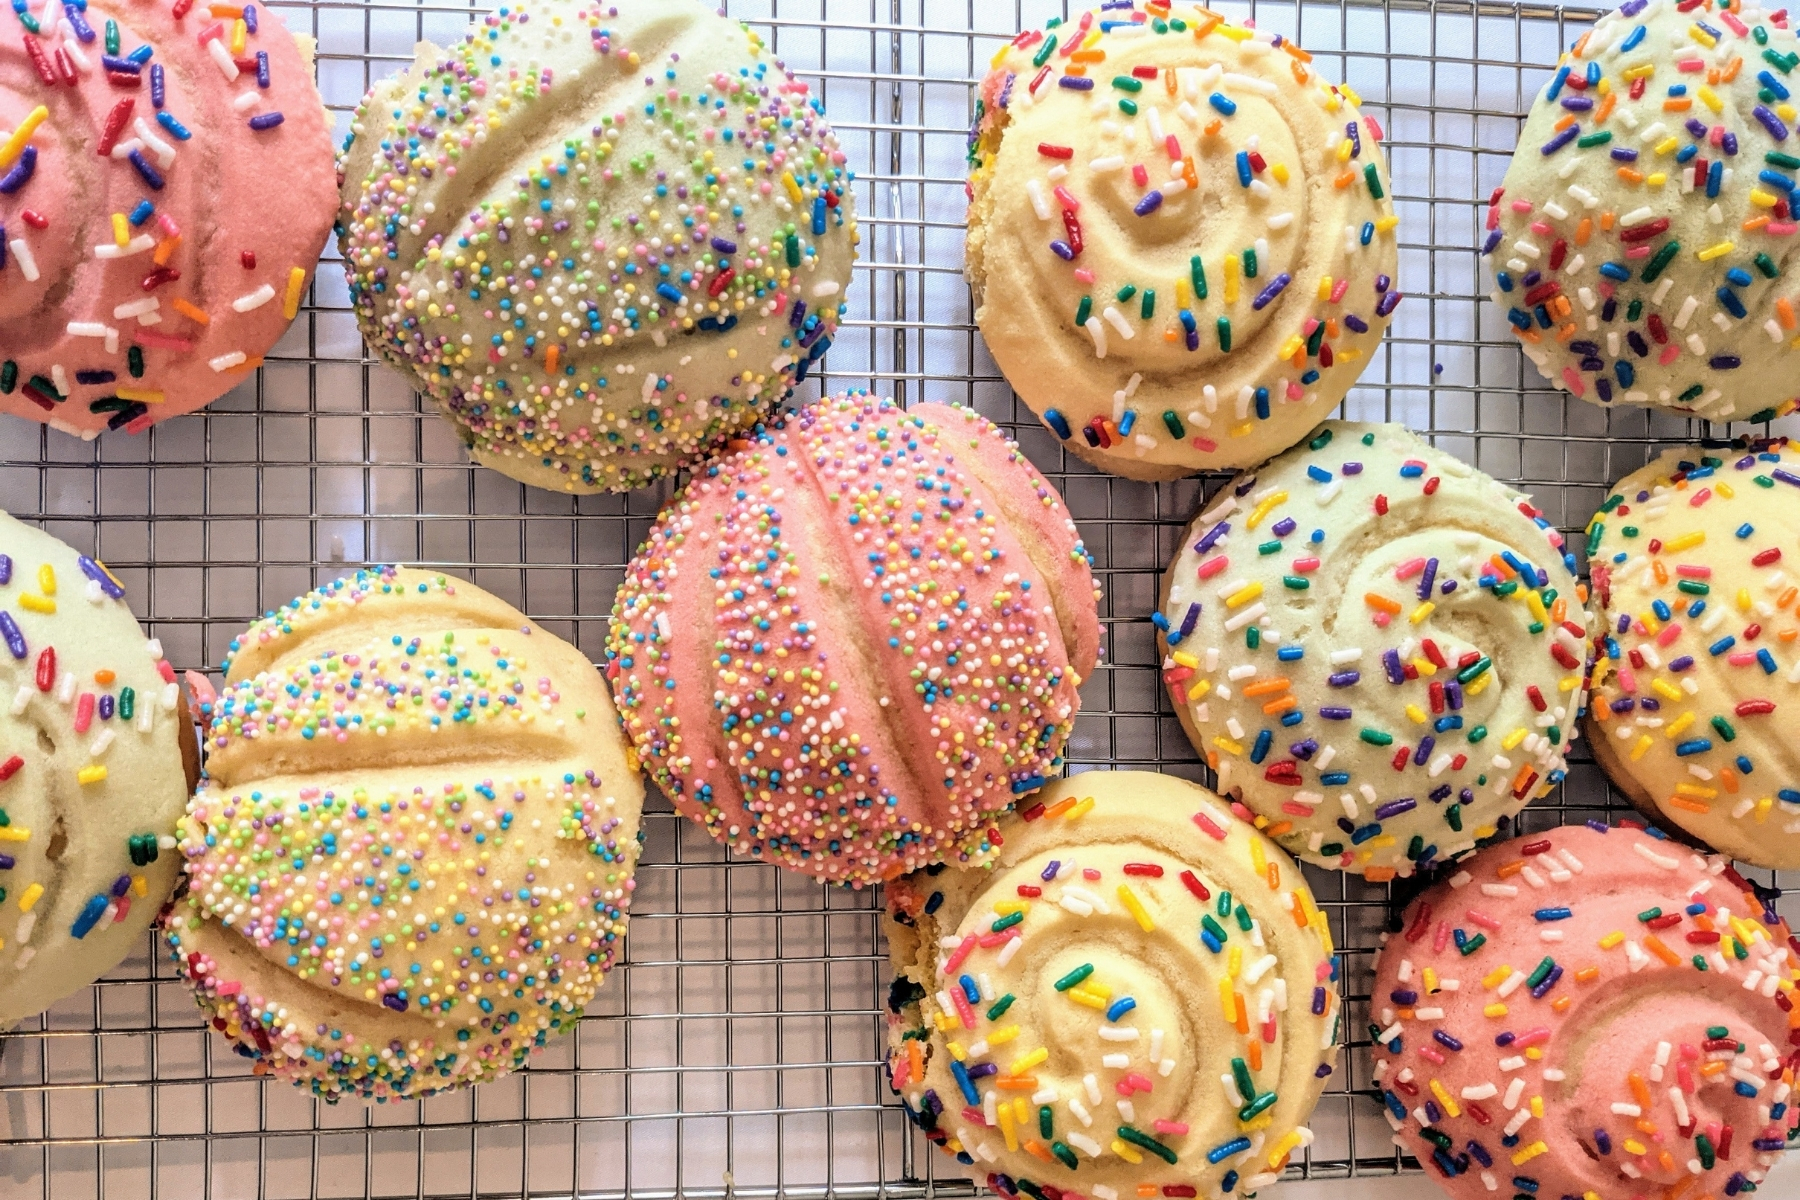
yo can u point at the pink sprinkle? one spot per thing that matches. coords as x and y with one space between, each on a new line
1521 206
990 940
84 712
1535 1037
1066 198
1139 176
1338 289
1084 275
1140 1082
1700 497
962 952
1411 566
1294 390
1642 251
1690 65
1742 658
1433 1055
162 341
963 1010
1690 1052
1303 565
1670 353
1493 218
1173 144
121 908
1213 566
1670 632
1780 228
1381 619
1575 382
230 987
1716 136
1737 27
1322 972
1296 809
1090 873
1477 917
1176 1128
1209 826
1627 680
1441 938
1693 571
1684 1077
1541 228
1204 445
1306 330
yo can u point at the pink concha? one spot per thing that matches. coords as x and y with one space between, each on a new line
141 284
850 641
1598 1012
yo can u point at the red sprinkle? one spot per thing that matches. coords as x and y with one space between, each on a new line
35 219
1195 886
46 669
119 79
40 60
1381 505
160 276
1049 151
10 767
1755 708
1532 848
116 120
181 8
1431 486
1150 869
1772 554
1030 891
248 258
1034 812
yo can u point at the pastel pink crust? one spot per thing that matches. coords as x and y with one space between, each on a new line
1621 1018
846 644
230 189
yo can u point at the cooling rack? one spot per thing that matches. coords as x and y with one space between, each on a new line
738 1051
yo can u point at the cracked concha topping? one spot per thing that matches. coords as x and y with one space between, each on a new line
1641 239
165 190
92 779
410 860
1696 670
1181 240
1136 996
1379 648
847 644
606 239
1590 1012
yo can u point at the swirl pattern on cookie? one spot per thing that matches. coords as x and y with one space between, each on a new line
165 188
1696 670
1137 993
605 239
1641 238
1589 1012
847 644
1180 237
411 857
1379 648
91 773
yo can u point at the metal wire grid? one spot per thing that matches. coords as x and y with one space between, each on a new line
738 1050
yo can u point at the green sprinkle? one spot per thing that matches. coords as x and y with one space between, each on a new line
1634 310
1224 335
1473 944
1650 914
1246 1083
134 361
1474 670
1777 158
1320 442
1126 292
1298 583
1261 1104
1253 637
1596 531
1268 548
1223 906
1659 260
1249 262
127 703
1453 817
1700 962
1046 1122
1213 927
30 22
1313 342
1197 274
1066 1155
1694 587
1415 847
1767 266
793 250
112 37
1138 1138
1376 737
1176 430
1331 849
1147 309
1006 922
1594 139
1703 1143
1629 531
1083 311
1000 1006
1243 918
1764 481
1128 107
1368 439
1761 35
1542 973
1714 1032
1374 180
1693 393
1725 729
9 376
1044 51
1126 83
1074 977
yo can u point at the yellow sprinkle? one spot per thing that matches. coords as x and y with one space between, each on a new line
1006 1127
1668 146
1426 609
1680 724
36 604
1431 980
1136 908
1184 659
1724 489
290 304
1002 1036
1118 1147
1081 809
239 34
1641 71
1227 999
121 230
1424 666
1743 599
29 900
1761 198
1704 38
1710 98
1656 179
1382 224
14 146
1694 789
1480 685
1325 282
1183 293
793 189
1514 738
1612 939
1494 1010
1686 541
1229 746
1351 92
196 315
1234 961
1231 280
957 1051
1717 250
146 395
139 887
1528 1153
1249 427
1633 1146
1786 111
1643 744
1279 171
1283 1147
1200 688
1416 713
1537 1107
13 833
1244 595
1258 860
1665 689
1264 509
47 579
1025 1062
1098 991
92 773
1007 908
1291 347
1496 977
1085 997
1535 603
1239 34
1343 150
1446 1099
999 56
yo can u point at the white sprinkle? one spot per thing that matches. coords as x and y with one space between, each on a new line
227 361
256 299
1097 331
92 329
27 263
222 56
136 245
1041 206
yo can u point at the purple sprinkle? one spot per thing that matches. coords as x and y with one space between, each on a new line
1729 144
1344 678
1786 476
125 65
21 173
1188 622
7 862
1598 826
1493 240
1078 83
1149 204
1283 527
797 315
1543 989
1388 304
1724 362
5 569
1560 140
1395 672
1682 663
1212 537
262 121
1318 1003
79 24
152 179
723 246
1696 127
1445 1040
1382 284
262 67
93 571
1275 288
156 86
1576 103
1049 872
1335 714
1428 578
1353 468
1453 695
1632 8
1423 753
15 639
1356 323
1063 250
250 18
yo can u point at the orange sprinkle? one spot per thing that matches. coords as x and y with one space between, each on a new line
1243 1017
196 315
1273 874
1205 27
1684 802
1563 122
1508 870
1661 951
1017 1083
1561 1003
1036 1148
1712 1068
1580 45
1280 705
1387 874
1587 974
1661 572
104 678
1381 603
550 357
1343 181
1188 174
1565 332
1331 327
1296 51
165 250
1279 828
1169 80
1299 72
1677 104
1731 70
1784 309
1606 219
1061 806
915 1059
1729 778
1088 56
1584 231
1640 1091
1606 107
1756 222
1255 1054
1213 126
